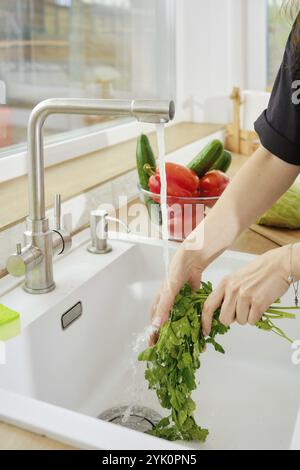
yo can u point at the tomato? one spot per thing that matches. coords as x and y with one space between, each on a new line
213 184
181 181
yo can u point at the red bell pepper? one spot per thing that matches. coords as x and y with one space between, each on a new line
181 181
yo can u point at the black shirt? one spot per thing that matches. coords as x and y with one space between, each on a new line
279 126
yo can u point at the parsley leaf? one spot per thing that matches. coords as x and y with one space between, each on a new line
173 361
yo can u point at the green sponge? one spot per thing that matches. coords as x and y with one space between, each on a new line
9 323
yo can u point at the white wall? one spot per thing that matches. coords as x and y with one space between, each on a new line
256 44
217 48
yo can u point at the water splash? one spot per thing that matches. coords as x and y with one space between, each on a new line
160 133
135 389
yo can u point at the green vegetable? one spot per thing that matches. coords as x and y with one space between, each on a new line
223 163
286 211
208 156
144 156
144 160
154 210
172 363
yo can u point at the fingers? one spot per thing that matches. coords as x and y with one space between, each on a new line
213 302
154 305
164 305
195 281
228 309
160 310
254 315
234 304
242 310
154 331
153 336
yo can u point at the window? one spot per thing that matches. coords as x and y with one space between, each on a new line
81 48
279 27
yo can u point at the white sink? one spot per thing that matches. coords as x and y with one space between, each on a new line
58 381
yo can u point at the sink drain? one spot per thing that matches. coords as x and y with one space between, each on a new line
141 419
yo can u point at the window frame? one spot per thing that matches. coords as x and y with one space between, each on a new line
249 19
76 143
257 57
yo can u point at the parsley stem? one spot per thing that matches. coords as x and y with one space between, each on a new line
277 314
279 307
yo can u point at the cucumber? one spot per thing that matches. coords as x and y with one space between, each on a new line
206 158
223 163
144 155
154 211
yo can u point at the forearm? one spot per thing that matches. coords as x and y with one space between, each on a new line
294 261
255 188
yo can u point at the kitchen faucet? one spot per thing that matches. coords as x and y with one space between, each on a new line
35 260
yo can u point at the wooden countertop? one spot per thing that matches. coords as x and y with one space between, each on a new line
15 438
12 438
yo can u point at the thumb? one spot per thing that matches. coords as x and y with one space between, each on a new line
164 306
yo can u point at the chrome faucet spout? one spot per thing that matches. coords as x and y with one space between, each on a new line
142 110
42 243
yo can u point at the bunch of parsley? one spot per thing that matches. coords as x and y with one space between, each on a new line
172 363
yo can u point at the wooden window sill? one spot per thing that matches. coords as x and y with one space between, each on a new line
84 173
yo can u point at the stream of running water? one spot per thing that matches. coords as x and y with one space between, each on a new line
143 337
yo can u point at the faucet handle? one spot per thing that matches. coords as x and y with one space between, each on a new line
57 211
61 239
16 265
23 259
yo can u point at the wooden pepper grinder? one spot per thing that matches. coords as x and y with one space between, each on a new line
234 129
239 140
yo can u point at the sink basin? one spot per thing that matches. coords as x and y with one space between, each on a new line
58 381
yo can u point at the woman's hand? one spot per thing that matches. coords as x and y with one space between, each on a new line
245 295
184 267
231 215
